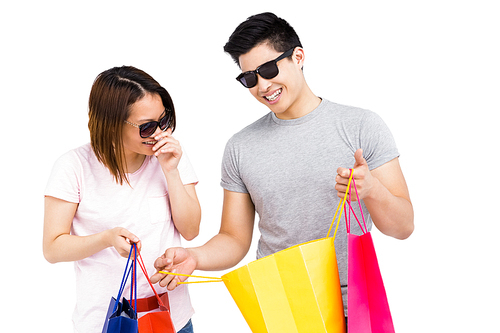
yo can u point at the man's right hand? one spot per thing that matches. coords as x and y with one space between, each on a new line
174 260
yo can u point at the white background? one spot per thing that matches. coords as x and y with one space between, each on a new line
429 68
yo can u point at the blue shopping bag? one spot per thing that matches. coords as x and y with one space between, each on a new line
121 316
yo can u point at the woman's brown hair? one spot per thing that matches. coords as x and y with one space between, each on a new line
111 96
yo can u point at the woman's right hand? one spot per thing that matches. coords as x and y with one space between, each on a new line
121 239
60 245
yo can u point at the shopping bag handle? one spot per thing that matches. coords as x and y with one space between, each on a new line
341 203
207 278
133 287
126 274
143 268
348 217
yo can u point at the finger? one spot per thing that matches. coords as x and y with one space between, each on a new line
166 260
168 131
167 145
155 278
174 151
166 134
128 235
164 279
139 246
359 159
173 284
168 139
349 197
169 149
162 141
123 248
344 172
341 180
341 190
175 281
163 264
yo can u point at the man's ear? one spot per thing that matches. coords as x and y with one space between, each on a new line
298 57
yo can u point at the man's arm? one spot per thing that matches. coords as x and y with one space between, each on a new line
385 194
223 251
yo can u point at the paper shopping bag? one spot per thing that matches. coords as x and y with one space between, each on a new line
296 290
121 316
366 297
123 320
156 322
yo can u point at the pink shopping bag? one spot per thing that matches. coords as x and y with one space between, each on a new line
367 304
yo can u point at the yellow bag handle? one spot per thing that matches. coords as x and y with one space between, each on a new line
219 279
341 203
209 278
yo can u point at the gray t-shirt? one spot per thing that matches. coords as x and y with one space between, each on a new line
289 166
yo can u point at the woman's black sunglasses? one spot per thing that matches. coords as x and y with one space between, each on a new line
267 71
149 128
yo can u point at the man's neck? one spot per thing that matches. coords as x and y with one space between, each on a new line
304 105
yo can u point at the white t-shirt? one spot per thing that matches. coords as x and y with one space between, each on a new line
142 208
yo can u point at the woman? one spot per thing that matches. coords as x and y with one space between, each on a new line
131 183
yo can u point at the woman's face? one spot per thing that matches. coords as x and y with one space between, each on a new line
149 108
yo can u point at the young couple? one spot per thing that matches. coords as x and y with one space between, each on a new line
132 183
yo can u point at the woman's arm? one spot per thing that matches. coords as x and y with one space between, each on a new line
186 211
185 207
59 245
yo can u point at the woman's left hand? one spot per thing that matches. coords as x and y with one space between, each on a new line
168 150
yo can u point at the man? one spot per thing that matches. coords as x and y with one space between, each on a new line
292 165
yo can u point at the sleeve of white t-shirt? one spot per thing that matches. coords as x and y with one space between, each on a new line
65 178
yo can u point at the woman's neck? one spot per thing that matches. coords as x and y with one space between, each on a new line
133 162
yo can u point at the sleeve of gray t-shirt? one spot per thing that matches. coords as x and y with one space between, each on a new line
376 140
230 177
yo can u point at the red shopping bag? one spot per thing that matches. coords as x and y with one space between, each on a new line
367 304
155 322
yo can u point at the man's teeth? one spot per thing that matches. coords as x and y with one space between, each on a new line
273 96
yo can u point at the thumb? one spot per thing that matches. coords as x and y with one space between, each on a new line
360 160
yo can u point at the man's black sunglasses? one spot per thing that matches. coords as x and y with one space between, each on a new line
149 128
268 71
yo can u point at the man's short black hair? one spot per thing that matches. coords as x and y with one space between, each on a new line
259 29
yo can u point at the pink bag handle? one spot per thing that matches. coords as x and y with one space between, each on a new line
341 204
348 217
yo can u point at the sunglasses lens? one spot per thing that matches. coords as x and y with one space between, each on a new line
147 129
248 79
268 70
164 122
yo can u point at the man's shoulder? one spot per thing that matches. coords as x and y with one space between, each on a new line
344 110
